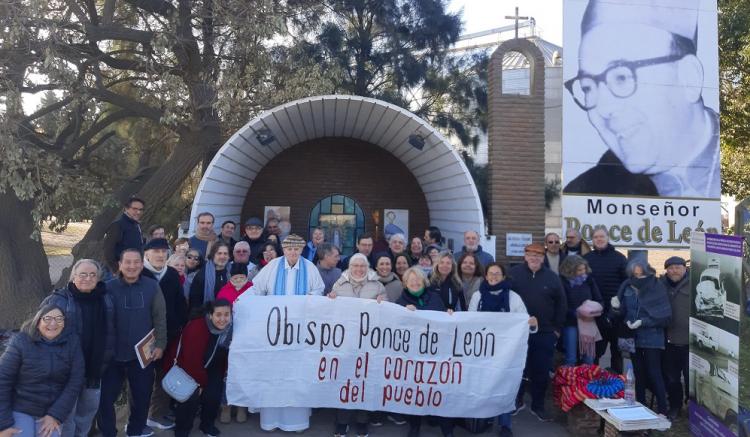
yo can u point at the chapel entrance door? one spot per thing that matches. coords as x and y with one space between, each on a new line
341 219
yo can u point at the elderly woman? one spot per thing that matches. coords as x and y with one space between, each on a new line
397 245
209 280
177 262
393 286
642 304
581 291
90 315
416 249
495 295
417 296
356 281
400 265
471 272
41 375
446 283
181 246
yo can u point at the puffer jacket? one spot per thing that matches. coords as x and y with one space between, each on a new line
649 304
371 288
393 286
40 377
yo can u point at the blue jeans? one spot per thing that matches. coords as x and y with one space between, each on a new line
504 420
79 421
28 425
570 342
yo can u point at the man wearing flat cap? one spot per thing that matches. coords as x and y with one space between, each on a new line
544 297
676 281
288 275
640 83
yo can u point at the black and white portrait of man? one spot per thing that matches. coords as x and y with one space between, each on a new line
642 87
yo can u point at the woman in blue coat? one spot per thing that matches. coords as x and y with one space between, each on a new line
41 375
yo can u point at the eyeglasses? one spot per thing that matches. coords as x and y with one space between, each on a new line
620 78
50 319
83 275
553 242
192 257
242 251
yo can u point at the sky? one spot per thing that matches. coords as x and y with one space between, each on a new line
479 15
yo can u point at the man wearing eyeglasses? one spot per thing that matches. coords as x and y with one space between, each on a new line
640 83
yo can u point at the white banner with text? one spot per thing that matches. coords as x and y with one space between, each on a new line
312 351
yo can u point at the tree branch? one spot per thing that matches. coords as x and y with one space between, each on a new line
100 33
139 108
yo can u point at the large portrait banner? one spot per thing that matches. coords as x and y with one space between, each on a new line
313 351
640 120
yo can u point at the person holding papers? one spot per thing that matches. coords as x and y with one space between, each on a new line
289 275
642 304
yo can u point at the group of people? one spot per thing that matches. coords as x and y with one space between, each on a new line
67 366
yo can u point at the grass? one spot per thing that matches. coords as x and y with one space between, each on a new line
56 250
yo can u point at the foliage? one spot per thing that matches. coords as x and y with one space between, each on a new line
552 189
734 63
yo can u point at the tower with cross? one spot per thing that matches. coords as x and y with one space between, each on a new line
516 18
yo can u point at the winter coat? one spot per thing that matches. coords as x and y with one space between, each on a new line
63 298
608 269
40 377
430 301
470 287
678 331
330 276
582 249
650 305
452 295
123 233
195 341
577 295
484 258
256 247
371 288
543 295
195 297
393 286
176 306
562 255
203 244
230 294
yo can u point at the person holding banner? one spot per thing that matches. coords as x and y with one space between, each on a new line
495 295
357 281
289 275
417 296
202 353
445 281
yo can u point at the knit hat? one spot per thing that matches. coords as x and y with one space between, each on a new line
238 269
675 260
534 248
679 17
292 241
156 243
254 221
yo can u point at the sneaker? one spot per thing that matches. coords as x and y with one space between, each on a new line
519 408
505 432
147 431
673 414
210 431
341 430
376 422
398 420
541 415
162 423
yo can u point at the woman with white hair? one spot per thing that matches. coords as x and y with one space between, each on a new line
396 246
356 281
89 313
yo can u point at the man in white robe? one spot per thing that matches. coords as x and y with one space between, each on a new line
288 275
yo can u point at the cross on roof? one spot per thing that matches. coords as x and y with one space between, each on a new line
516 17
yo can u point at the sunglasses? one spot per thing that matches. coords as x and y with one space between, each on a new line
193 257
553 242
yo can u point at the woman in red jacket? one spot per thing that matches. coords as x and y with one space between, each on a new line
203 355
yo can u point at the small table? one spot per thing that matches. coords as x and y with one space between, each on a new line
613 429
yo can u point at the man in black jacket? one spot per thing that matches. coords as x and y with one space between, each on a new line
608 269
124 233
542 293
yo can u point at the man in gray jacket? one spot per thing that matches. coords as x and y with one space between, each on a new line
675 364
139 308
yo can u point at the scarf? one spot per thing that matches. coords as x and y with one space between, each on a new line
300 284
495 298
418 294
220 338
93 328
653 300
588 332
209 281
157 273
577 281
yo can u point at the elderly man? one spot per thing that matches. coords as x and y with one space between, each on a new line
155 267
204 234
124 233
289 275
471 245
328 260
574 244
241 254
311 247
272 227
553 256
255 237
544 297
608 267
675 363
139 307
640 83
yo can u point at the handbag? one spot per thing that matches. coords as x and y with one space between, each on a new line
177 383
